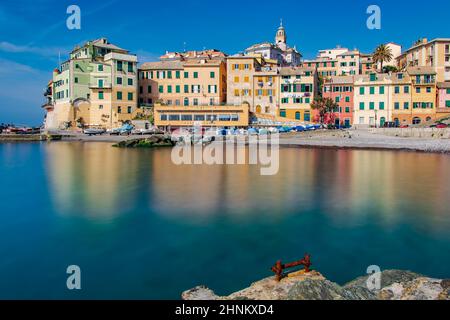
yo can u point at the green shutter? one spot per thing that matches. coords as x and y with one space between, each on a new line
372 105
381 105
381 90
361 91
361 106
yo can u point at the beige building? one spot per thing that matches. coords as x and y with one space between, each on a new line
348 63
192 82
372 100
424 53
401 98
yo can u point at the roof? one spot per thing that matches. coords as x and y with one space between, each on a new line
104 43
341 80
194 54
162 65
421 70
443 85
295 70
428 42
366 78
349 53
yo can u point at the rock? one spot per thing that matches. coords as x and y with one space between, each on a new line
150 142
395 285
199 293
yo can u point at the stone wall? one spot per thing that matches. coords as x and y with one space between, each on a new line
428 133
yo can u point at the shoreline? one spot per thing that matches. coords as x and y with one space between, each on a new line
337 140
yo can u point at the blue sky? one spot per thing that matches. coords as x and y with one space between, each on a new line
33 33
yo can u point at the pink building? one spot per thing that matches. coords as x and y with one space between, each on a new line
443 107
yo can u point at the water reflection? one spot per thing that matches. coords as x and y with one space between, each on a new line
96 180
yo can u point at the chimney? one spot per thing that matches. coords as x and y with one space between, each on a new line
425 40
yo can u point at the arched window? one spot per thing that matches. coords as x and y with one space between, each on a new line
428 119
416 120
297 116
307 116
186 101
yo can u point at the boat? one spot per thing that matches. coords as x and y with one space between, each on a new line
94 131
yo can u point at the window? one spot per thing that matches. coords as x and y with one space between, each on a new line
406 105
119 80
195 75
119 95
100 67
186 74
186 102
100 95
149 89
141 90
130 81
417 90
129 109
119 66
130 67
177 88
199 117
186 88
428 89
169 89
195 102
347 99
307 116
76 80
406 89
119 109
174 117
186 117
169 74
373 77
448 91
130 96
177 74
212 74
283 113
371 105
382 90
361 91
100 83
372 90
284 100
397 105
297 116
100 107
381 106
361 106
163 117
447 104
347 109
337 99
161 89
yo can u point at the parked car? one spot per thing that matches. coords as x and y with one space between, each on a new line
299 128
404 126
310 127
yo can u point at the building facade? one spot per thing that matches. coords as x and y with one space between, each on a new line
373 97
443 107
195 82
341 91
401 98
298 88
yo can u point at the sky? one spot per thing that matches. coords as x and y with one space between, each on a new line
33 33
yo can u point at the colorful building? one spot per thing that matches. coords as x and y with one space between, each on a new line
253 80
367 65
96 87
401 98
341 91
298 88
424 53
443 107
192 82
348 63
424 93
372 94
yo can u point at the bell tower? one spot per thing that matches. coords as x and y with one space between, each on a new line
280 38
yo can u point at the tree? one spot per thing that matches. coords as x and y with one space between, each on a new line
388 69
325 107
382 54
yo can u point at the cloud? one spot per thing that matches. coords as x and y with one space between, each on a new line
145 56
42 51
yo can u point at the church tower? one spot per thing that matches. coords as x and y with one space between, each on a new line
280 38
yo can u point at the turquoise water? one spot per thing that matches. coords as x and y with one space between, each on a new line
140 227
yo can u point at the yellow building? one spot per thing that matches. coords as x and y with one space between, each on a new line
298 88
253 79
207 116
401 98
423 94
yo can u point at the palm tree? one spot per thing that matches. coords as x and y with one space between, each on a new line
382 54
324 106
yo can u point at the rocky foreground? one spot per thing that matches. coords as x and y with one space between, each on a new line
395 285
